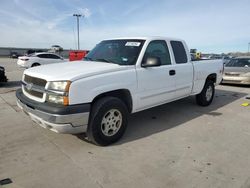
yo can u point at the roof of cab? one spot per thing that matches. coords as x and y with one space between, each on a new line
146 38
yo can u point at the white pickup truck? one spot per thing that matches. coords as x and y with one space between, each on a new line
118 77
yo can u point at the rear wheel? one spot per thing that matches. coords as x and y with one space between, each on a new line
206 96
108 121
35 65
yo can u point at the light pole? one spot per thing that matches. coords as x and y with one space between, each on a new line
248 48
77 18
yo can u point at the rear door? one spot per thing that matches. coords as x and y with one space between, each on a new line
156 85
41 59
52 58
183 68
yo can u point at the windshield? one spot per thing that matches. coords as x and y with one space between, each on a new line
238 63
121 52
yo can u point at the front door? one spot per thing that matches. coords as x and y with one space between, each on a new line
156 85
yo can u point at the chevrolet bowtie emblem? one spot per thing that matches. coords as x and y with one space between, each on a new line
29 86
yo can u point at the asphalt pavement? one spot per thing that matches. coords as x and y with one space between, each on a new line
178 144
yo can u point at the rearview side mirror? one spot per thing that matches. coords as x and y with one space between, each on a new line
151 62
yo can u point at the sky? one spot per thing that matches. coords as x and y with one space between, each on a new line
208 25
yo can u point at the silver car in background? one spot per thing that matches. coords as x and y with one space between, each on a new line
237 71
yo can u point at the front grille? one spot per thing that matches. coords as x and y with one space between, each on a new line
34 93
35 81
34 86
232 81
232 74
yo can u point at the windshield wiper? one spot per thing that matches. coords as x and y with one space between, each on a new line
104 60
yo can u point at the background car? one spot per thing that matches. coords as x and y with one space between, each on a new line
3 78
37 59
56 48
14 55
237 71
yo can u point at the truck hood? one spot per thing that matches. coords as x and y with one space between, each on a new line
73 70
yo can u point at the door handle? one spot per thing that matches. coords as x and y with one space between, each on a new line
172 72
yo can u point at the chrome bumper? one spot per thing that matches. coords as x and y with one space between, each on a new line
70 124
236 80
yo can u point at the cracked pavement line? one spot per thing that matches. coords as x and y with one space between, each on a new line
14 107
72 160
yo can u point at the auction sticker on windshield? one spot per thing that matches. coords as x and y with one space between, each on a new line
133 44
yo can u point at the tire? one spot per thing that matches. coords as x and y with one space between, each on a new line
108 121
35 65
206 96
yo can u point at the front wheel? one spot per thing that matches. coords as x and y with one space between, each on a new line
108 121
206 96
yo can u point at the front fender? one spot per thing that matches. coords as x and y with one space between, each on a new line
86 89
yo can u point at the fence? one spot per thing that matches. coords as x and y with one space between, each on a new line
6 51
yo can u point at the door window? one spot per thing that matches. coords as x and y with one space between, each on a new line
52 56
238 63
48 56
158 48
42 55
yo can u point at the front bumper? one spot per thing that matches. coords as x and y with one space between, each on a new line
236 80
67 119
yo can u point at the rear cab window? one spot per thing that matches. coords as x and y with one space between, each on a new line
179 51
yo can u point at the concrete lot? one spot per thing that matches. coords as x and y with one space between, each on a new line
175 145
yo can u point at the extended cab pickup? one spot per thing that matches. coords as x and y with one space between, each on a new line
118 77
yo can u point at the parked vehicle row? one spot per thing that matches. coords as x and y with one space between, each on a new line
15 55
116 78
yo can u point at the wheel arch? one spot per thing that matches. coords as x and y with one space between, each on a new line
122 94
212 77
35 63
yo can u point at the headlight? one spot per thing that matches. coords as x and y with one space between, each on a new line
57 92
55 99
59 86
